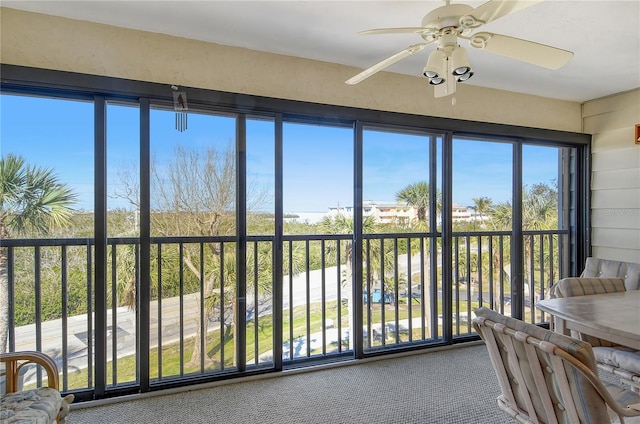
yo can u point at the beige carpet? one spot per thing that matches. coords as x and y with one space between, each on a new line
448 386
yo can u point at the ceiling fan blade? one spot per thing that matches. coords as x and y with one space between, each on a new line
496 9
524 50
404 30
387 62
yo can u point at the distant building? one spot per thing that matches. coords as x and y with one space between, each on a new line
387 213
305 217
383 212
461 213
466 214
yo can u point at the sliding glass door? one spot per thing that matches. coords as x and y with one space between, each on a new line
246 242
317 175
193 244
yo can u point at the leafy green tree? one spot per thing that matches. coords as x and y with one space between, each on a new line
32 201
193 194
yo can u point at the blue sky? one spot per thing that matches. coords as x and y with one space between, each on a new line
318 160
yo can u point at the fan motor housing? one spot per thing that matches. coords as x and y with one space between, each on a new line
446 16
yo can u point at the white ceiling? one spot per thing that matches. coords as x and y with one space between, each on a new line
604 35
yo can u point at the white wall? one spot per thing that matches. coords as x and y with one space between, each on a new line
615 176
48 42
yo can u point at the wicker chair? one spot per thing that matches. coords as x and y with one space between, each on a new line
546 377
42 405
621 361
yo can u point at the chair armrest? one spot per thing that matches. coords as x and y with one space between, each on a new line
16 360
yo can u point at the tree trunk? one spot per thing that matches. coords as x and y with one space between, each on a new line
204 319
4 301
235 324
4 292
349 278
530 269
496 283
197 351
426 291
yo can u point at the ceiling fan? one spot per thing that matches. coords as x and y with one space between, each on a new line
449 64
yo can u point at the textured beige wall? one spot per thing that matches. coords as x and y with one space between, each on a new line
615 176
49 42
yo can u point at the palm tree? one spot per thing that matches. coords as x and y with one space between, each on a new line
481 206
417 195
540 207
32 200
341 224
539 212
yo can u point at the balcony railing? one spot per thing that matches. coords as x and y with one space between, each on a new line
192 334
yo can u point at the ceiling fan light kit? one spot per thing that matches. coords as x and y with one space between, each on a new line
434 69
439 63
460 64
449 63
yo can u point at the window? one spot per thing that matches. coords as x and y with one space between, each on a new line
294 234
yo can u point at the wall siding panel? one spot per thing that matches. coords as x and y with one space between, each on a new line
615 139
615 199
611 121
604 160
616 179
615 176
625 218
628 99
618 238
627 255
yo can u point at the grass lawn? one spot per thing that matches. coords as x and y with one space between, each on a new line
171 364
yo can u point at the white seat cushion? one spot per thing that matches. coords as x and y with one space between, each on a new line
620 357
37 406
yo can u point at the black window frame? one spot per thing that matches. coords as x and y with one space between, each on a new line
101 89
